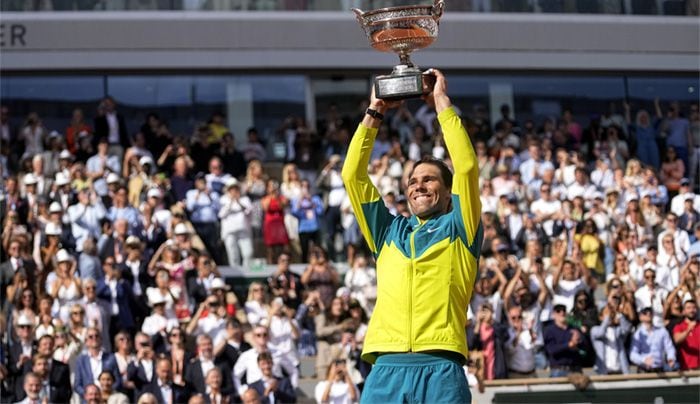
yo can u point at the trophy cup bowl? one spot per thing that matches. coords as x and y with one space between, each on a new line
402 30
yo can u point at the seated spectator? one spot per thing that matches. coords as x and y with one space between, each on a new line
338 387
686 336
270 388
162 386
652 349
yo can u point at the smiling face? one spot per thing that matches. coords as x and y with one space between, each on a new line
428 195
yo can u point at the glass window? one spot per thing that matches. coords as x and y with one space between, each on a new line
643 91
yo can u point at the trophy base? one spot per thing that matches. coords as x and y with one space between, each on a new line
403 84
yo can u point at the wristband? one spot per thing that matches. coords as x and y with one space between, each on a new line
374 114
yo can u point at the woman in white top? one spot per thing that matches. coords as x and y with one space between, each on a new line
361 280
256 307
64 286
283 333
234 213
338 387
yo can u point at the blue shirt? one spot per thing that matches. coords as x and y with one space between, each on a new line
654 342
307 211
203 207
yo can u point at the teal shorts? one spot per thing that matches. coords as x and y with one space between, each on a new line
417 378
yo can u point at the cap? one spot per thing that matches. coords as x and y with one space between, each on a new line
30 179
611 190
200 176
55 207
559 307
181 228
146 160
685 181
112 178
52 229
63 256
24 320
631 197
232 182
154 193
61 179
65 154
218 283
133 240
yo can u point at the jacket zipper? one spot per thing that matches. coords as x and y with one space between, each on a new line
410 288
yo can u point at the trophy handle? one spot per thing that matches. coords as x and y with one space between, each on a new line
359 15
438 9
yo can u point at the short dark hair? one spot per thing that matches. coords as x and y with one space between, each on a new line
264 356
445 171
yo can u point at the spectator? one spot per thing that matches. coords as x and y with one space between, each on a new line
652 349
672 170
94 358
563 344
109 395
197 373
117 293
308 209
274 230
247 364
85 217
162 387
272 389
236 231
203 207
361 280
285 284
111 125
609 339
228 351
33 388
320 275
212 322
686 336
284 332
330 325
256 307
158 322
650 295
338 386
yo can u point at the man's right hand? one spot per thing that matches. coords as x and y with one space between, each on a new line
649 361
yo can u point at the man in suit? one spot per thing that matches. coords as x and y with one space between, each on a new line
22 350
118 294
214 394
53 388
162 386
134 270
112 126
32 387
143 371
15 264
90 364
228 351
57 373
272 389
196 372
97 311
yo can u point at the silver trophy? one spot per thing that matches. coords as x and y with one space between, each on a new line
402 30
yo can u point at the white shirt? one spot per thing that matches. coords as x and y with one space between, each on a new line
113 137
255 312
154 323
207 365
96 367
565 292
234 214
680 240
247 364
521 357
165 391
339 394
644 297
678 203
214 326
543 207
147 367
612 356
112 283
135 267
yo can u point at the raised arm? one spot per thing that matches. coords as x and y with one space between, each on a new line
465 183
372 215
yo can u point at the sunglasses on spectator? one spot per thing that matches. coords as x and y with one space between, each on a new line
261 334
516 318
93 336
75 313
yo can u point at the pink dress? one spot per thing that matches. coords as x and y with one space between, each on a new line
489 350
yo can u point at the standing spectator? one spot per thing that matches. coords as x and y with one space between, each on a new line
91 363
163 388
76 126
338 386
256 306
214 393
686 336
100 165
563 344
217 178
228 351
197 371
203 207
361 280
141 371
85 217
33 135
234 162
212 322
64 285
652 349
645 132
254 149
283 334
97 312
271 388
109 395
609 339
285 284
308 209
247 364
116 292
22 349
32 386
330 325
274 230
651 295
180 181
672 170
236 232
111 125
158 321
321 276
331 182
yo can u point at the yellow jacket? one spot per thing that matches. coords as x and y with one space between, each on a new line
425 270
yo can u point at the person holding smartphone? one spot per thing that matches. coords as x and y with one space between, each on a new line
338 387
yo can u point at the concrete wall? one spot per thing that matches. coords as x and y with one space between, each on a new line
300 41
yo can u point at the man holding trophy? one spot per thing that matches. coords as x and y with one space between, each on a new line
426 264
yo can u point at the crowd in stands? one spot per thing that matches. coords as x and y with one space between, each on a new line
112 239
